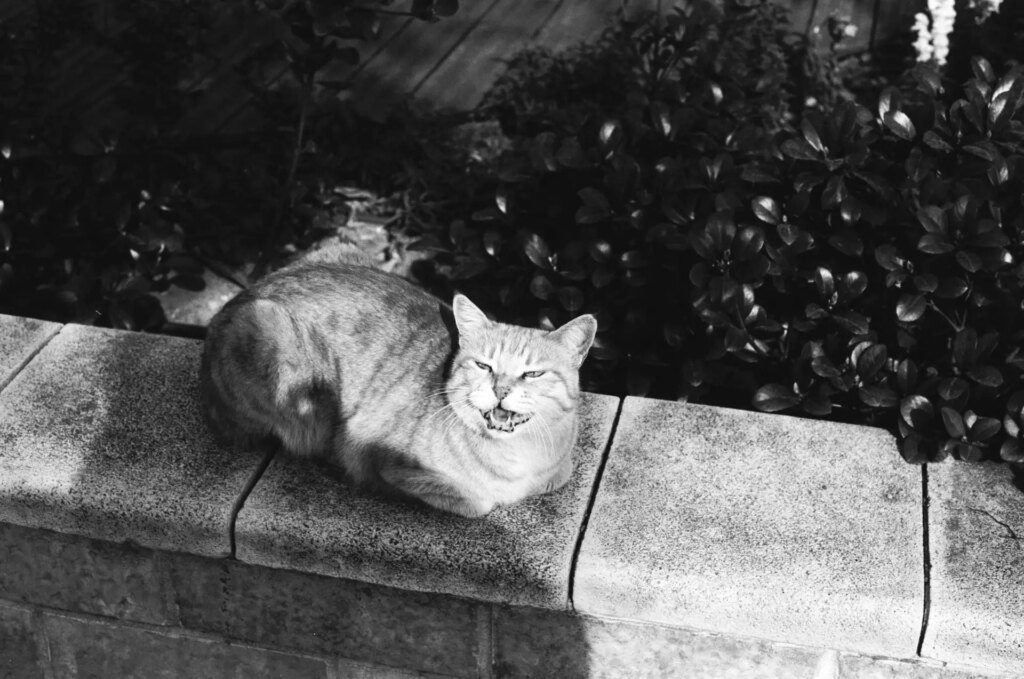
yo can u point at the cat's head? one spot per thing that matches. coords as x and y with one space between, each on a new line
507 378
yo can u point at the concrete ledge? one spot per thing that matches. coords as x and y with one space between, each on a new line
691 541
976 522
101 435
20 339
297 517
758 525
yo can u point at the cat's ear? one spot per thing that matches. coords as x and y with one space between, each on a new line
577 335
468 318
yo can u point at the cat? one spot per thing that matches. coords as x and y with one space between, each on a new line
403 392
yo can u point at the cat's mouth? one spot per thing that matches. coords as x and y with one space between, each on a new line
500 419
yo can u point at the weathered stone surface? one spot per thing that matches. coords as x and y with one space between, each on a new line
317 614
864 667
197 307
80 574
757 525
19 650
81 648
976 536
531 642
20 338
301 518
346 669
101 435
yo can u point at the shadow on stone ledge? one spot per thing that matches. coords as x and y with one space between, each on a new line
102 437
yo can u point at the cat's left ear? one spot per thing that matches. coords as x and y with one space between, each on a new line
577 336
468 318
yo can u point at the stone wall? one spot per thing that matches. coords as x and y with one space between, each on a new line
691 542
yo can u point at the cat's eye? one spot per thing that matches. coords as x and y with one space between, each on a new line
533 373
483 366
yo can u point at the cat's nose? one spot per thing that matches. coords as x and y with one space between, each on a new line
501 391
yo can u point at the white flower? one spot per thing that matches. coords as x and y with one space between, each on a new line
923 44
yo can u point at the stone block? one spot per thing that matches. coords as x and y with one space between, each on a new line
773 527
976 539
19 648
298 517
346 669
20 339
81 648
101 435
329 616
865 667
73 573
532 642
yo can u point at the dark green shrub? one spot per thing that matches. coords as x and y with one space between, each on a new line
861 264
99 212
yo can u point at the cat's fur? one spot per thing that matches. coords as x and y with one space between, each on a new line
397 388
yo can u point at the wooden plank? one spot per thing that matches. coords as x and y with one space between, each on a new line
246 117
393 75
581 20
462 78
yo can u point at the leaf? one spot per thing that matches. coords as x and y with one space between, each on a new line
773 398
888 257
932 218
570 154
571 298
878 396
982 69
871 360
600 250
917 411
969 260
965 346
852 285
951 287
986 375
824 281
492 242
910 307
1012 451
934 141
766 209
916 449
811 135
984 428
847 242
953 422
798 149
610 134
984 150
541 287
537 251
852 322
900 125
934 244
748 243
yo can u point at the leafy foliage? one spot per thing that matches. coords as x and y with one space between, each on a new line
864 264
99 211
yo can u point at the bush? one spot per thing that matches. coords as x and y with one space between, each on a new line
96 215
861 264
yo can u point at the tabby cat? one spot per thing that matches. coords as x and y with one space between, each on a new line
401 391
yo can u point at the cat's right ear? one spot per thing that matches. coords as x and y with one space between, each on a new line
468 318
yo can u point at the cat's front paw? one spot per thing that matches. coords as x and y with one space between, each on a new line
472 509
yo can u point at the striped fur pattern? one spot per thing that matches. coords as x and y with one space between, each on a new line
404 393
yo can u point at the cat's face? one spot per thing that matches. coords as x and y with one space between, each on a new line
506 379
